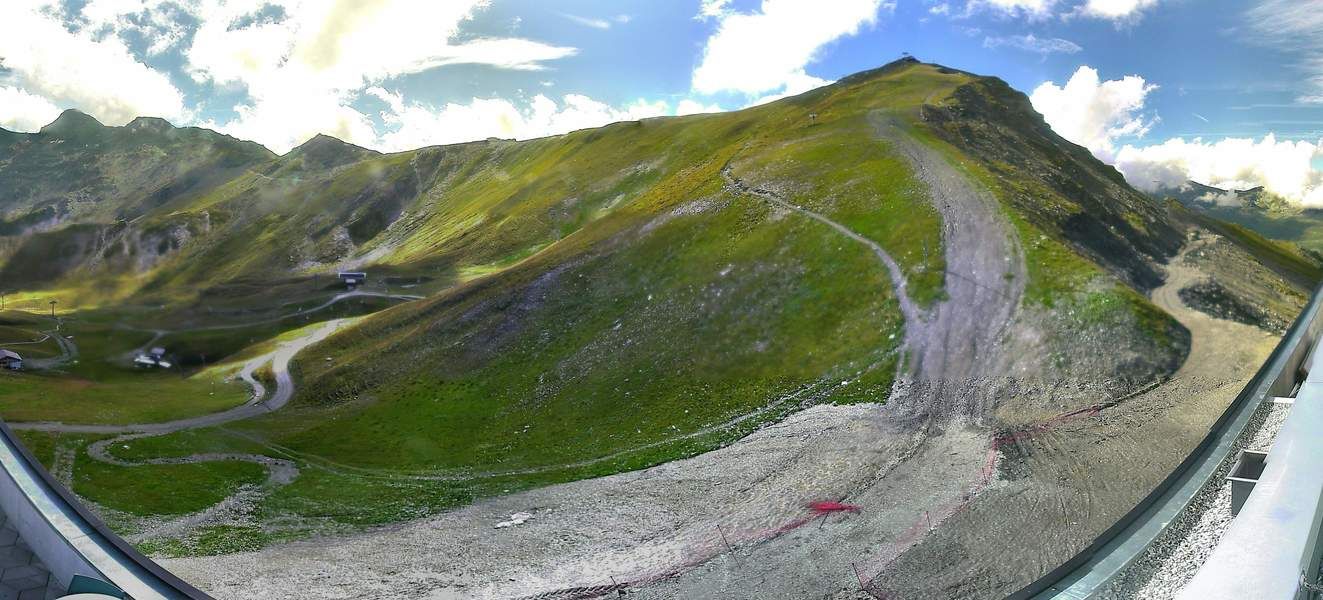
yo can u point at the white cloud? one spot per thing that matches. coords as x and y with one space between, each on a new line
157 21
1293 26
415 125
940 9
1116 9
1032 9
303 70
713 8
283 121
1094 113
588 22
768 50
597 22
345 45
1282 167
693 107
795 84
98 75
506 53
21 111
1032 43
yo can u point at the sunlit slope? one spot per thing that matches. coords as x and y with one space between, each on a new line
608 299
449 212
614 303
664 304
621 304
150 210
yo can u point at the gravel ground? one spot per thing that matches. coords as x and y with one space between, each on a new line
632 527
1166 566
1058 487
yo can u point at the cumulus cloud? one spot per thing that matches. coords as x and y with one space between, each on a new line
415 124
158 22
75 68
713 8
1032 43
694 107
1116 9
1095 113
303 65
795 84
1098 114
767 51
21 111
1282 167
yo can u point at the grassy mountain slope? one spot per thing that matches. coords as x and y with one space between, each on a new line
77 170
605 302
1054 184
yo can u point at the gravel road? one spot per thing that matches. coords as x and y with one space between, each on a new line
260 403
68 350
1059 486
958 339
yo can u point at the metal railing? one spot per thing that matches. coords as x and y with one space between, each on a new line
1274 540
1095 566
68 538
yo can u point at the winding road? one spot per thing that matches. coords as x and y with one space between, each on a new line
260 403
68 351
279 471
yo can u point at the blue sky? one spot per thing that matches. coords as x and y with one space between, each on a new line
1228 93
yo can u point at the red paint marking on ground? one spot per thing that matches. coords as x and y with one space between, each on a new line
987 474
869 570
824 507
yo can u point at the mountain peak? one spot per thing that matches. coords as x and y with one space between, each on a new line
327 151
155 124
72 121
901 63
322 141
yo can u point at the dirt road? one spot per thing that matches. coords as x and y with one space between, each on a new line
1059 486
958 339
68 350
259 403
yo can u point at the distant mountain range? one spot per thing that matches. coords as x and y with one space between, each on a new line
1255 208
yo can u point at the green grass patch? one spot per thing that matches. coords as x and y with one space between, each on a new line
152 490
152 397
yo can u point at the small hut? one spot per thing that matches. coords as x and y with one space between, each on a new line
352 279
10 360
